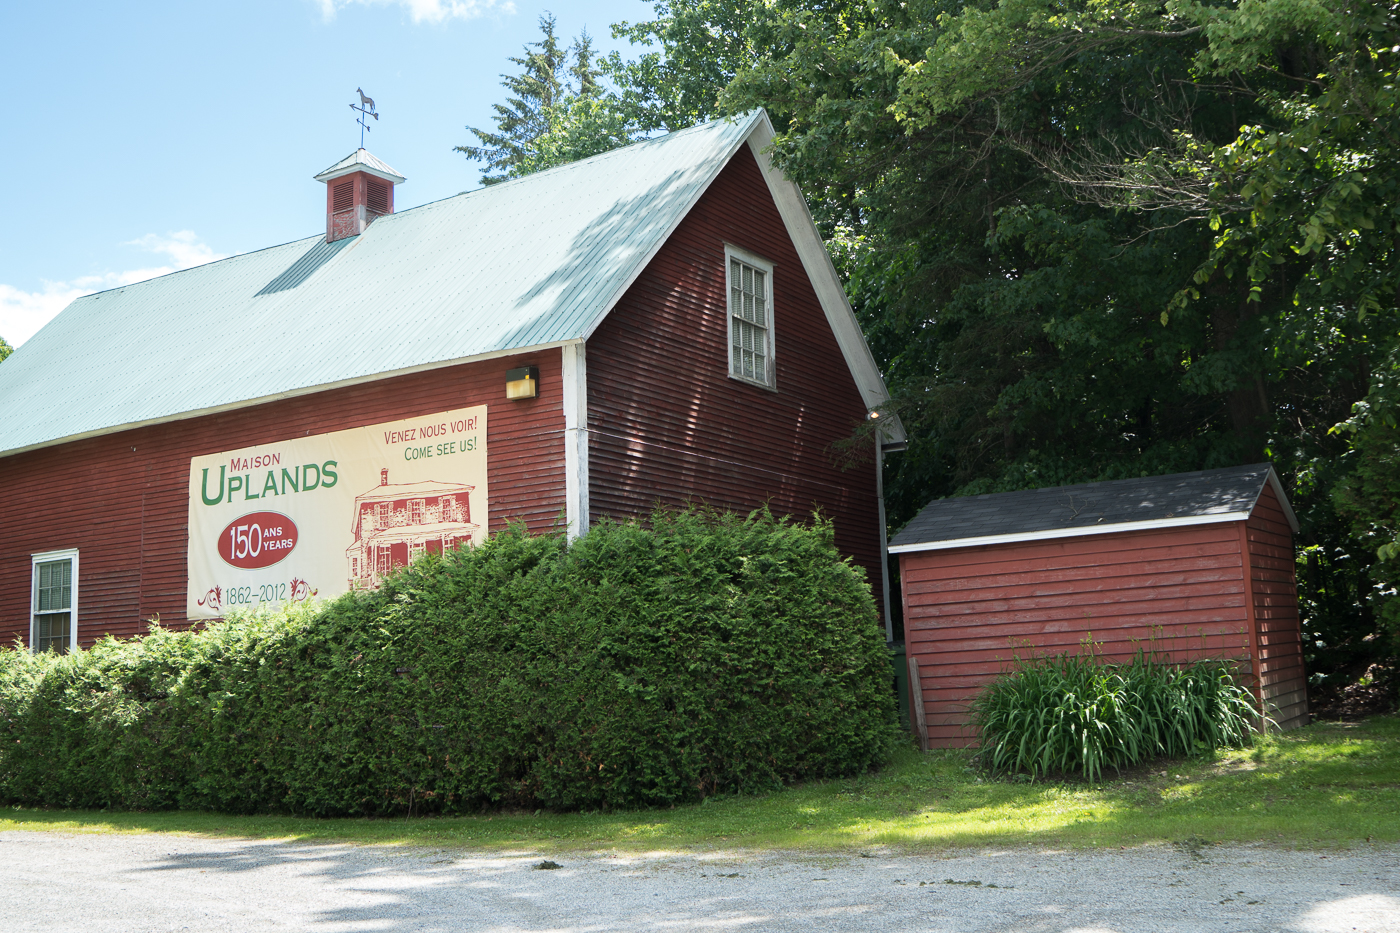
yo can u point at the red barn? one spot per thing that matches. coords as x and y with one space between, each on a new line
654 325
1192 565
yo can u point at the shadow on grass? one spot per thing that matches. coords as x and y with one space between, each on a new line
1328 784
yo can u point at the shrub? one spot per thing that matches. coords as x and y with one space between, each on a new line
1075 713
635 667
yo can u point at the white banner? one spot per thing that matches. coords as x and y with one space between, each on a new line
317 516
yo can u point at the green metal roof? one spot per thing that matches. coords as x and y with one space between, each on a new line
528 263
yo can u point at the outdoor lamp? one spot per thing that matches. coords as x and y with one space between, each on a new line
523 382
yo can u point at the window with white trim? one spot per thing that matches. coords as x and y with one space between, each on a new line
750 317
53 620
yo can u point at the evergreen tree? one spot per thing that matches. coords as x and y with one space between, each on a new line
553 82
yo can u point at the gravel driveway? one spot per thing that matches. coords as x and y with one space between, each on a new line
75 882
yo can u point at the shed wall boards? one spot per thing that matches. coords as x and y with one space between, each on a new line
319 515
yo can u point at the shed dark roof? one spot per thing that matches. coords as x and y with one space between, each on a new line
1092 508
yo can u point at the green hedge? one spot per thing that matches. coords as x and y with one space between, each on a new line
636 667
1077 713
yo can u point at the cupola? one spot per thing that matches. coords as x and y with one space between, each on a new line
359 188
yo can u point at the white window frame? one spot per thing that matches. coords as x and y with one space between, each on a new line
731 253
34 561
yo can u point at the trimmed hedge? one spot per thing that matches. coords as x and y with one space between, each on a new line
1076 713
636 667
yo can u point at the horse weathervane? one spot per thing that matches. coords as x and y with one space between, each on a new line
366 109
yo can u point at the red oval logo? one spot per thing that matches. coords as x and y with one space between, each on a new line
259 539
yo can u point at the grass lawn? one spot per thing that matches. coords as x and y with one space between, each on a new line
1329 784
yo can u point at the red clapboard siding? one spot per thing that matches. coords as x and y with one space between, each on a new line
969 611
666 423
1283 678
121 499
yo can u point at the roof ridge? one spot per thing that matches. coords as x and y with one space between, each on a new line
1106 482
408 210
615 152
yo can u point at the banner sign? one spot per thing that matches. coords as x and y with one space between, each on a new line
317 516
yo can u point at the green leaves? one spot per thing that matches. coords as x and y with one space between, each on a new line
1085 240
551 116
636 667
1076 713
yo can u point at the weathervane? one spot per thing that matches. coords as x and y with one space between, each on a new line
366 109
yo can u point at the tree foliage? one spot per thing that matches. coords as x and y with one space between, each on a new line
5 350
1096 239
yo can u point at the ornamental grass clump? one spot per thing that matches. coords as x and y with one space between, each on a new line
1077 714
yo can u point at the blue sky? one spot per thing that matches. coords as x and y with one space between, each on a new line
139 138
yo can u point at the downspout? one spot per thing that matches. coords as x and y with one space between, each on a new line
884 533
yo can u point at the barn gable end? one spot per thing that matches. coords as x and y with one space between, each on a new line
667 423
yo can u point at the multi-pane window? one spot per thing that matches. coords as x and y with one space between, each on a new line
750 321
415 511
54 588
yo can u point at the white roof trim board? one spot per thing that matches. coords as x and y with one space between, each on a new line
827 284
519 267
1070 532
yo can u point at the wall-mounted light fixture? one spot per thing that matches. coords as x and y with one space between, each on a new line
523 382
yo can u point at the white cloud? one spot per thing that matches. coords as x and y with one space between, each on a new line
183 247
428 11
23 313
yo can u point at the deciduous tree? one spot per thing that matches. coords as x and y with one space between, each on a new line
1090 240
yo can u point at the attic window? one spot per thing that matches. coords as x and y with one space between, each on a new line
750 318
378 200
343 195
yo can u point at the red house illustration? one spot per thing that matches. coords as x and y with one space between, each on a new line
395 524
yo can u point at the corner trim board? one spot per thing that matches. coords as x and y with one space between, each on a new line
575 379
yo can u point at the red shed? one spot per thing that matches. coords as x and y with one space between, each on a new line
1192 565
656 324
